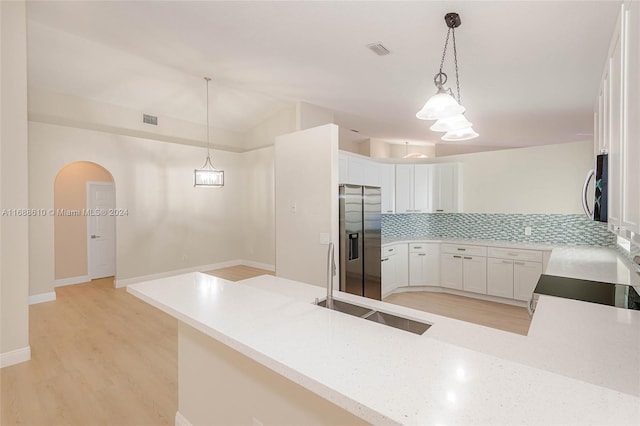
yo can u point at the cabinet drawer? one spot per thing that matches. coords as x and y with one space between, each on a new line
389 250
464 249
420 247
516 254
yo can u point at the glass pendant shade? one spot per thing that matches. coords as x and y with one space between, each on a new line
440 105
208 176
460 135
456 122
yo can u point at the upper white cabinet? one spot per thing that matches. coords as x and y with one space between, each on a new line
617 127
406 188
412 188
630 155
388 173
357 170
444 190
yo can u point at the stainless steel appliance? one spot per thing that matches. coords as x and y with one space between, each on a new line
360 241
600 174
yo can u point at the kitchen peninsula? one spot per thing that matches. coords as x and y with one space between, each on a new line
260 352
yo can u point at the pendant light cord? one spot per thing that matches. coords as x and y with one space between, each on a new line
455 60
444 52
207 79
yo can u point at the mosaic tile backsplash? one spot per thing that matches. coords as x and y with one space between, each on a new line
570 229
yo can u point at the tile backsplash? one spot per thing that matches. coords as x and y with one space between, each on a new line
545 228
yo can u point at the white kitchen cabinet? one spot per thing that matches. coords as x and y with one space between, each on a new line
500 277
388 187
474 274
451 271
630 152
615 127
525 278
343 170
424 264
412 188
513 273
395 271
444 188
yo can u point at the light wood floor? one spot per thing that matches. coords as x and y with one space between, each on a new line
238 273
497 315
98 356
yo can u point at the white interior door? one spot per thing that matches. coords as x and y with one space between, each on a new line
101 229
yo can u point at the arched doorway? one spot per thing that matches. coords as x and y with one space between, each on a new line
84 223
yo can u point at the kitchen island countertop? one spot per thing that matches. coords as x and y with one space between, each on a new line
455 373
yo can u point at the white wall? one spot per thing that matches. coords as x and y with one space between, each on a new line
309 116
170 225
543 179
258 211
306 175
264 134
14 231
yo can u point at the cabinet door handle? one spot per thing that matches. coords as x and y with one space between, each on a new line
512 254
519 263
389 211
468 257
422 254
417 247
391 249
418 211
384 260
458 257
462 249
439 210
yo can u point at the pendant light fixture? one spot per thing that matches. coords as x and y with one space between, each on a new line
208 176
443 106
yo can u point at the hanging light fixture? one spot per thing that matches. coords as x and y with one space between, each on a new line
443 106
208 176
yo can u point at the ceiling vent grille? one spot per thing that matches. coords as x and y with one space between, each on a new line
150 119
378 49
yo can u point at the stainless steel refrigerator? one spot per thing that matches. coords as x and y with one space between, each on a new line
360 271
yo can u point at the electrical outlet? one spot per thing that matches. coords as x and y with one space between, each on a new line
324 238
527 230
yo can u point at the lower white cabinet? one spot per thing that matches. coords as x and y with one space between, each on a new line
509 277
451 271
424 264
474 274
500 277
525 278
395 271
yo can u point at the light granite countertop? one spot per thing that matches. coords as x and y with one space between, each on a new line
455 373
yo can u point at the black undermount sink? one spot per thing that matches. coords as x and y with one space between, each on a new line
390 320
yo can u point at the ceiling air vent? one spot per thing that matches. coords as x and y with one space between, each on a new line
150 119
378 49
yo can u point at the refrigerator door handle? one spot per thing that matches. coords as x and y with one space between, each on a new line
585 203
353 245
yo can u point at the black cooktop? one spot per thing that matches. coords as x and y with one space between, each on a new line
619 295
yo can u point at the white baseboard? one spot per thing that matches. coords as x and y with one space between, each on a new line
72 280
42 297
15 357
182 420
265 266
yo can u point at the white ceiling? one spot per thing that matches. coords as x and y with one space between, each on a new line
529 70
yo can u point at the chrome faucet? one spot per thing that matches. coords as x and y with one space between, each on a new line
331 272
